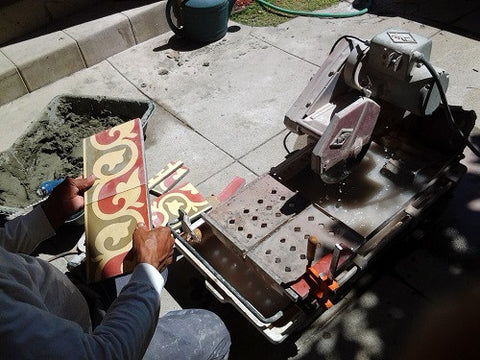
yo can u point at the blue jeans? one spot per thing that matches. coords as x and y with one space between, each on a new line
193 334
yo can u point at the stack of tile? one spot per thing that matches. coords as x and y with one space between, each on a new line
117 201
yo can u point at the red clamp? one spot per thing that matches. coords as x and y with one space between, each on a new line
318 279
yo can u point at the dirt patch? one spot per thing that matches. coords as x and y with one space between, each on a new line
240 4
50 149
253 13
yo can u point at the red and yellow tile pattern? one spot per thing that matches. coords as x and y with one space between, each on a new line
165 208
117 201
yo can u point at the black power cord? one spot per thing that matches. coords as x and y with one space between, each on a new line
285 143
366 42
419 57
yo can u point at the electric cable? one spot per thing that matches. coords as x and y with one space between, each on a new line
315 14
443 97
356 74
63 254
366 42
285 143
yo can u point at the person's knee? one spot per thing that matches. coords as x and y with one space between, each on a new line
202 333
222 335
215 333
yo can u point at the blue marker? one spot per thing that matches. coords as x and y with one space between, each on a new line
47 187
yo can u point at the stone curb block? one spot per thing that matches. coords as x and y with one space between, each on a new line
45 59
11 83
148 21
102 38
31 64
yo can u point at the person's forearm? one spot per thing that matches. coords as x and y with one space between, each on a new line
125 333
130 320
24 233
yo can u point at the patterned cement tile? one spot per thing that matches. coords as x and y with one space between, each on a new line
170 181
116 158
117 201
109 225
165 172
165 208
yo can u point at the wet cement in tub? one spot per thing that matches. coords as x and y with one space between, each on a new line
50 149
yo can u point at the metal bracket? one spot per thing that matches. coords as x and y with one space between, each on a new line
193 236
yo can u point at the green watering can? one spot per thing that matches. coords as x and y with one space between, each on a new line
199 20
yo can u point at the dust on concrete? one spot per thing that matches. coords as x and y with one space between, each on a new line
49 150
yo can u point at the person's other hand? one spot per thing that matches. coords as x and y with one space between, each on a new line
154 247
66 199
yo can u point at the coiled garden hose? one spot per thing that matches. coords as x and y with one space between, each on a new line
315 14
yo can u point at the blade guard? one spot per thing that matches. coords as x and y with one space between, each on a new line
348 132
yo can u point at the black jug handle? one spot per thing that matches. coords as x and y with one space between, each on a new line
173 11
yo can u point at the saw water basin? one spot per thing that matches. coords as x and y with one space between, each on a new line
258 239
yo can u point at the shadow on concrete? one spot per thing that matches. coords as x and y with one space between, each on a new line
85 13
459 17
455 232
179 43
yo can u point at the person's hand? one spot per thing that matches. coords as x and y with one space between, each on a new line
154 247
66 199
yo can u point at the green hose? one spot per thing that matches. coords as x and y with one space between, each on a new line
314 14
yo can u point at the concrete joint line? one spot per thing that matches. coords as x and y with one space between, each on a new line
266 141
282 50
170 111
82 56
131 28
21 78
18 72
17 69
246 166
219 171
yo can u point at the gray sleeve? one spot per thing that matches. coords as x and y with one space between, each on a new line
125 333
25 232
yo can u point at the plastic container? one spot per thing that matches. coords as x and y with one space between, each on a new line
202 20
92 106
97 106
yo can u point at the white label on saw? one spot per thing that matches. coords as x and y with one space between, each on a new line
401 37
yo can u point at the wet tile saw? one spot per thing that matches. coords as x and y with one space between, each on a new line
383 147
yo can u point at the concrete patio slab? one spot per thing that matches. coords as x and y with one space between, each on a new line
11 83
99 39
459 56
375 326
168 139
217 182
43 60
272 152
430 274
469 22
241 87
312 38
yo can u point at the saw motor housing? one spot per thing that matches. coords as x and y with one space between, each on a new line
342 105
